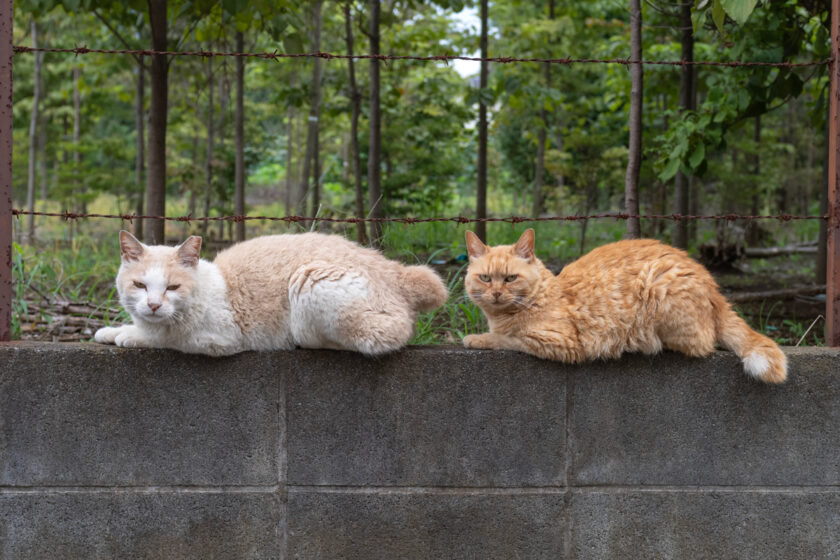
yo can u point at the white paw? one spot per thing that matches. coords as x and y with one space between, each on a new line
106 335
129 339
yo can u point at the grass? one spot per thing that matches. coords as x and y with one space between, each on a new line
454 320
81 271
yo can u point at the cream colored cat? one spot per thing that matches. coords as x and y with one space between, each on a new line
277 292
630 296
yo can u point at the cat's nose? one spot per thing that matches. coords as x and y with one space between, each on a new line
154 306
497 295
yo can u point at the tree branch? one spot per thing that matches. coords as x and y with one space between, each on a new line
116 33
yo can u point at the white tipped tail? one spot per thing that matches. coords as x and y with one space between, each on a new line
762 358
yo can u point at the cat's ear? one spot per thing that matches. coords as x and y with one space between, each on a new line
475 248
188 251
130 248
525 246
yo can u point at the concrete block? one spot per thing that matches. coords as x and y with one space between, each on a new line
426 417
705 525
148 526
86 414
672 420
371 526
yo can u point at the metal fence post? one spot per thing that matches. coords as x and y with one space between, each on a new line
832 301
6 61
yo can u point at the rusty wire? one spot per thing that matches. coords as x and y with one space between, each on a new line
446 58
439 57
67 215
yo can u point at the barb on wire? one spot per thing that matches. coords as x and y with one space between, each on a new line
411 220
444 57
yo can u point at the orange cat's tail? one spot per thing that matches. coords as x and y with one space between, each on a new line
763 359
424 288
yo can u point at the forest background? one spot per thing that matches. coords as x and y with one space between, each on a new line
217 136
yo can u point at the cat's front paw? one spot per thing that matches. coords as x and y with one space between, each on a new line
130 337
106 335
481 341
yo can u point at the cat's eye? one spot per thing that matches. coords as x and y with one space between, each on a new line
139 285
484 277
511 278
173 287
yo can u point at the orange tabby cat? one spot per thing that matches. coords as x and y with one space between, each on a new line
629 296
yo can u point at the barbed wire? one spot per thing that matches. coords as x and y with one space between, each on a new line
67 215
446 58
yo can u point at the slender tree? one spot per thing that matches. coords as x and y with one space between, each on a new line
634 160
291 140
33 140
753 230
542 136
374 149
481 187
239 171
159 99
309 165
211 143
356 103
140 157
681 194
77 134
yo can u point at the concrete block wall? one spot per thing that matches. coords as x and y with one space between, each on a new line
430 453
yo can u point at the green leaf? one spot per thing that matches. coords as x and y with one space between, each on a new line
697 156
718 15
697 19
670 169
739 10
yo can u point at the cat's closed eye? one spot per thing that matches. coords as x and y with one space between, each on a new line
173 287
139 285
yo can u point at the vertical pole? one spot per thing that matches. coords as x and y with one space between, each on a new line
481 187
832 301
6 61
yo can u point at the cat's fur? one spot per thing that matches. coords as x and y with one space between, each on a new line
630 296
276 292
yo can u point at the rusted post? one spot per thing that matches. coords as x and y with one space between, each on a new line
832 301
6 61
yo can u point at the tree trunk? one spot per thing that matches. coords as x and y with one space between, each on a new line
192 202
753 230
42 150
42 141
33 138
314 109
140 161
634 160
156 172
290 168
374 150
77 135
681 198
239 188
481 186
537 207
356 101
211 132
542 136
821 269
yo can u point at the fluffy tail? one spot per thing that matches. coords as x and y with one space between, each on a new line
423 287
761 356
